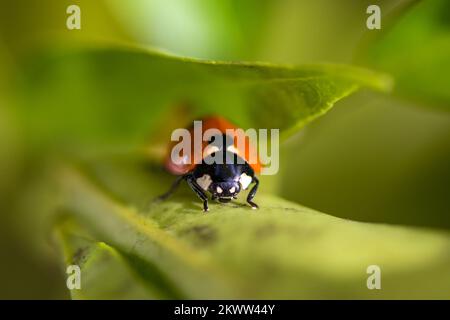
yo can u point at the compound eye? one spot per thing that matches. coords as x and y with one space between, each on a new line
219 190
232 190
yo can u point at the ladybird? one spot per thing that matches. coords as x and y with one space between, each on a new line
224 179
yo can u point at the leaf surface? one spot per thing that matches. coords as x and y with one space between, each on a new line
117 94
283 250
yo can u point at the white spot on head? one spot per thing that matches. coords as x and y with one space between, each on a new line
219 190
232 190
245 180
204 181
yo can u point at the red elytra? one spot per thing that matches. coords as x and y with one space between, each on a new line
246 152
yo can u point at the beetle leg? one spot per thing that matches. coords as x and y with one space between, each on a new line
252 193
198 190
172 189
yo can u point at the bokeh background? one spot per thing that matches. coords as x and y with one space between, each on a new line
374 157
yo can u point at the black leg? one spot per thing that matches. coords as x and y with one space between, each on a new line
172 189
252 193
198 190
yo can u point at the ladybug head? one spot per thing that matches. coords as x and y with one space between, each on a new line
224 191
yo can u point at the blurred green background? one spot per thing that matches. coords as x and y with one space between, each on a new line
373 158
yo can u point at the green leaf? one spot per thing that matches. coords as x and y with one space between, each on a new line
117 94
415 49
103 272
283 250
192 273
